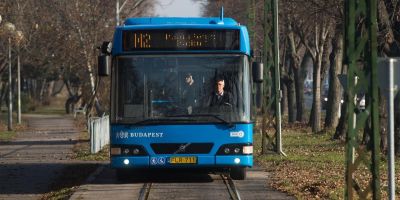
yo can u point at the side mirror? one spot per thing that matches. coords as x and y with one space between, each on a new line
257 69
104 65
104 59
106 48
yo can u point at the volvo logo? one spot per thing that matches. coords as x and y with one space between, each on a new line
182 148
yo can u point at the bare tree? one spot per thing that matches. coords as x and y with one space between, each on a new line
334 94
61 40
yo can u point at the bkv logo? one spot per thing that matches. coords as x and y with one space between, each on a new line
239 134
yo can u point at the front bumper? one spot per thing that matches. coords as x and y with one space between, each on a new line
126 162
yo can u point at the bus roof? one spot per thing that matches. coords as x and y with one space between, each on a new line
179 20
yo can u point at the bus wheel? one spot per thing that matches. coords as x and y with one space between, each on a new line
238 173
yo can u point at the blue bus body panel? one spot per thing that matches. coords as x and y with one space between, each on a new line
179 23
217 134
146 135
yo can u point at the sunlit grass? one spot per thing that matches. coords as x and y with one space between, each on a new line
315 165
7 135
49 110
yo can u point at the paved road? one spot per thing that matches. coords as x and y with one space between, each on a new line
175 185
30 163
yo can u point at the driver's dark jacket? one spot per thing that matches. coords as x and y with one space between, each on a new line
217 100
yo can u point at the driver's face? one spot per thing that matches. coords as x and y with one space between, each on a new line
220 86
188 79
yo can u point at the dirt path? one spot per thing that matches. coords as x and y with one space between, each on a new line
29 164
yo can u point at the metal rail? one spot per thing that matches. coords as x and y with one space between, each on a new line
145 191
230 185
228 182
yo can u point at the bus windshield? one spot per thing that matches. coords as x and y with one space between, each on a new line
172 89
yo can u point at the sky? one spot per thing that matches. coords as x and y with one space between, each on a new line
178 8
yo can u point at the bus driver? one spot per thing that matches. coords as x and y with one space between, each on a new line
220 97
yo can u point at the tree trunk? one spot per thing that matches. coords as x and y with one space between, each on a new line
341 129
316 111
397 123
335 92
325 66
299 87
4 87
389 47
298 77
303 71
284 104
291 97
41 91
383 121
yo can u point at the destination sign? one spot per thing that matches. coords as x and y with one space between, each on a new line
177 40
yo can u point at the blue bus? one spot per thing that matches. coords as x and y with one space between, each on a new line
166 80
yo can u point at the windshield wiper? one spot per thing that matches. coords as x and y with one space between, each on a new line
229 124
159 120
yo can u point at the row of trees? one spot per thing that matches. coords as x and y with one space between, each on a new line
60 40
313 30
60 45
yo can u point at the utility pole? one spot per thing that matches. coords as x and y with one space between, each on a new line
19 87
10 28
277 80
272 98
9 127
361 48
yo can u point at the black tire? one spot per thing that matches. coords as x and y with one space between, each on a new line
238 173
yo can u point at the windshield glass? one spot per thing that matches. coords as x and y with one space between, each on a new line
181 89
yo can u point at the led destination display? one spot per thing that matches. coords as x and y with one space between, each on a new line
175 40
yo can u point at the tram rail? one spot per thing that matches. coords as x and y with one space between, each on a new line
230 185
232 190
145 191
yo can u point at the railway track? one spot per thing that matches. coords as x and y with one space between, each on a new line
145 191
230 185
232 190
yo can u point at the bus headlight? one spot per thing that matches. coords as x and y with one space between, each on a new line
237 160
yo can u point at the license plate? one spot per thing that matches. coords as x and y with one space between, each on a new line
183 160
